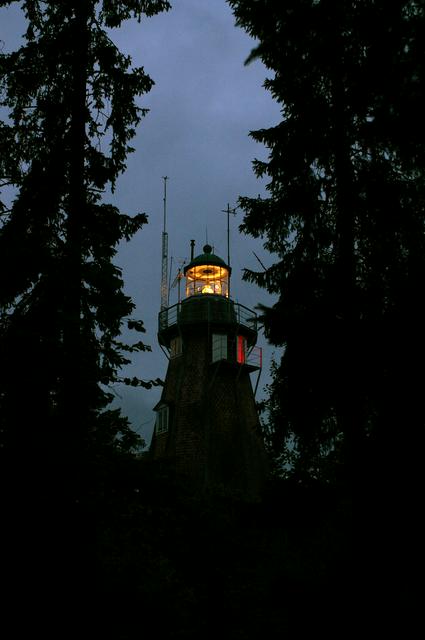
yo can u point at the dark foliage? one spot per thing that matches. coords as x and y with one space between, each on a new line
70 103
345 219
71 100
344 222
164 561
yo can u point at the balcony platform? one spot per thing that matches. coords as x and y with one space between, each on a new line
207 309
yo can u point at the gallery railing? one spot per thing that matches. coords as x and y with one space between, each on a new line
207 309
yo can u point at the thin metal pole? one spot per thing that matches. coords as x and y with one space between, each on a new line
228 234
164 265
229 211
165 178
169 281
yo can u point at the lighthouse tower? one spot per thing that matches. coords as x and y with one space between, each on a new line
207 425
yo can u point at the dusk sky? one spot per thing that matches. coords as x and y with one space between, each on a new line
202 108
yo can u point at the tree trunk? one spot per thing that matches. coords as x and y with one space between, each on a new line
72 423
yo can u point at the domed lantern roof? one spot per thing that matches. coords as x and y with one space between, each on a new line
207 274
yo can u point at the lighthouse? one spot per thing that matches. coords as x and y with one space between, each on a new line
207 425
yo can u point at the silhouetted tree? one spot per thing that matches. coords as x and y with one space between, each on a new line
70 102
71 96
345 217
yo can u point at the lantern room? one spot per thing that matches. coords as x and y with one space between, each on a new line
207 274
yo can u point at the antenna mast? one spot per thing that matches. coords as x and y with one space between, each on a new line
228 211
164 263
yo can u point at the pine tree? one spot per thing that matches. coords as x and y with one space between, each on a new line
70 102
345 217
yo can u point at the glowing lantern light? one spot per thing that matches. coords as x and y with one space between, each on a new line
207 289
207 274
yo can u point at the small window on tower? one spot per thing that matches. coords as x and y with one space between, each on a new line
176 347
219 347
162 419
241 349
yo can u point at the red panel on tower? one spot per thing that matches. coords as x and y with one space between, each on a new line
241 349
